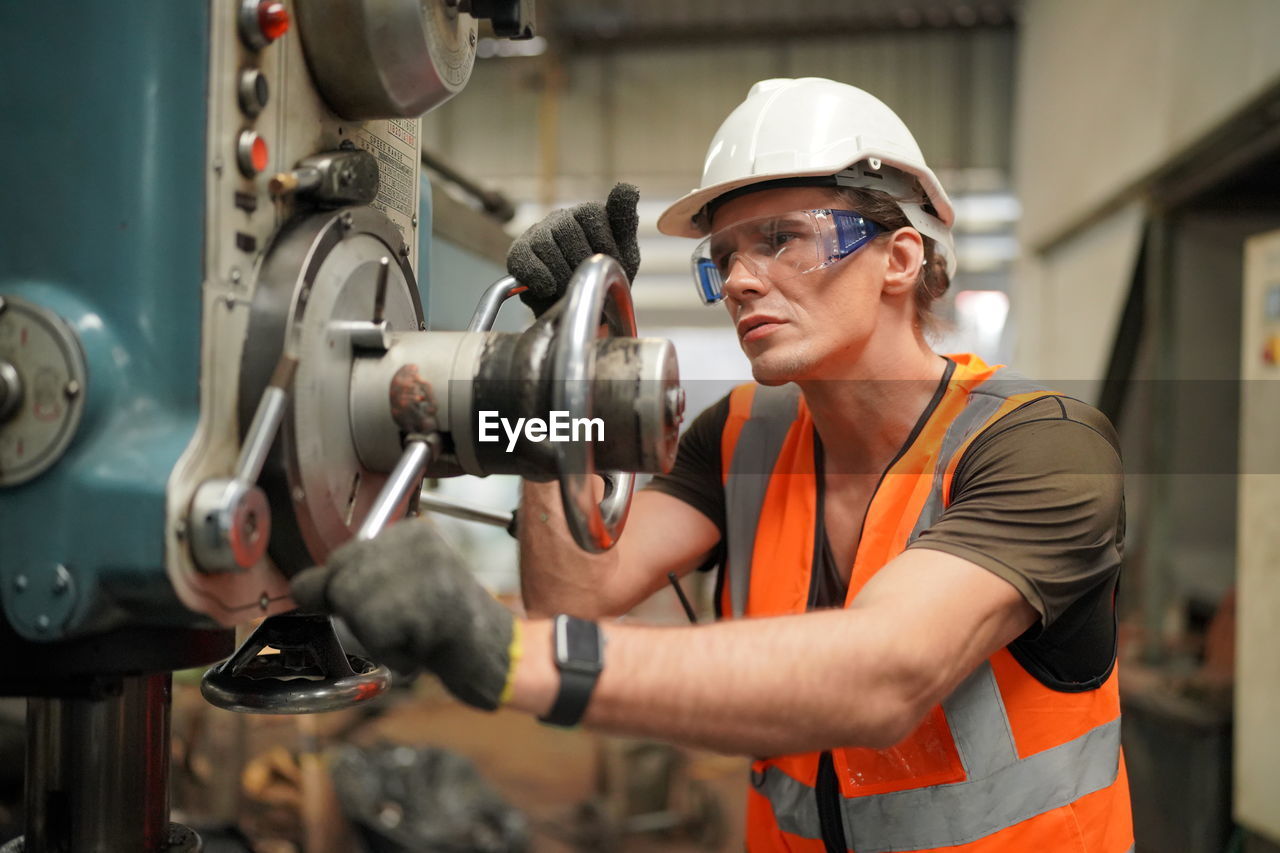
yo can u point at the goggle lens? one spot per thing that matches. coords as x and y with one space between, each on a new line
778 247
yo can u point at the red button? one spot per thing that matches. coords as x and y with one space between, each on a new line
251 153
273 19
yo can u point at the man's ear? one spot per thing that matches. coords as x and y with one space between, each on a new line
904 257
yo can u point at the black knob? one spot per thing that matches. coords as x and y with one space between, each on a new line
511 19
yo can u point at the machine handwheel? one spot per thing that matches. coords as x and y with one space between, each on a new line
310 674
597 292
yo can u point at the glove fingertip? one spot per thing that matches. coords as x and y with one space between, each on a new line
622 201
310 589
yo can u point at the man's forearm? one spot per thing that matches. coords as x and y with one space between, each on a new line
755 687
556 576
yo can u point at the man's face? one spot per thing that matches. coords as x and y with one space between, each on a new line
808 326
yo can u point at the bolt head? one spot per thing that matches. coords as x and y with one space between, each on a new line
20 583
72 389
264 601
42 622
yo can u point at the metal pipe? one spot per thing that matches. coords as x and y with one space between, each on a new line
406 476
487 311
266 422
467 512
98 770
494 203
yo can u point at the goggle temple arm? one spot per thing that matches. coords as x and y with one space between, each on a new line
707 278
852 232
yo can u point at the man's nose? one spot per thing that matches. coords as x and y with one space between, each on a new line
742 281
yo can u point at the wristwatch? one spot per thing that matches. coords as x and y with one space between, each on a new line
579 654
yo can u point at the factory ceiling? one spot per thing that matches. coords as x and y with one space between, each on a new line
611 24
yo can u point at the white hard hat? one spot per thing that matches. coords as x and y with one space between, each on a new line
814 128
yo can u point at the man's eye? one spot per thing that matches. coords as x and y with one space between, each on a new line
782 238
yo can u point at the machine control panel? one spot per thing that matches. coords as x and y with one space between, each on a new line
307 114
42 385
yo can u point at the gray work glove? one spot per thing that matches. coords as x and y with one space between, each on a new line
413 604
544 257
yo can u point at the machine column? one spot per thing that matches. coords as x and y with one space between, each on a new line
98 772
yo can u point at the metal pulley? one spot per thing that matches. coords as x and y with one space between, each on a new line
386 58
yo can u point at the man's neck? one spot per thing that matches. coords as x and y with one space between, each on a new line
864 415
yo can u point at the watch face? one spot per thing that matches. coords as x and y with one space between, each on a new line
578 645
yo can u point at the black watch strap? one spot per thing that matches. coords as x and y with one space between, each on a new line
578 648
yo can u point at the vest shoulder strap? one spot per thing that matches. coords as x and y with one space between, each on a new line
773 411
997 396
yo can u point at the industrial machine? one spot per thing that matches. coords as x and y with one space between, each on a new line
215 366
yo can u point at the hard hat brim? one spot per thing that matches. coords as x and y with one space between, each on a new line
679 220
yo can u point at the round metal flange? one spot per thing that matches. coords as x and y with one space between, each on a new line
318 282
387 58
44 375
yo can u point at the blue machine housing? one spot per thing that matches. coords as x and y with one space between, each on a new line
106 110
103 224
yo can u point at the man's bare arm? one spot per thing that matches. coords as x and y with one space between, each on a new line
663 534
864 676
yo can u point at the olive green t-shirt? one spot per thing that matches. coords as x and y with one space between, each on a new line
1037 498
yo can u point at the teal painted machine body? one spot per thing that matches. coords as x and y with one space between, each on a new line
105 114
103 224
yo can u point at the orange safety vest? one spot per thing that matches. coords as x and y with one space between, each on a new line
1004 763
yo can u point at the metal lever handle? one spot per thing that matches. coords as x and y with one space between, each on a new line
266 422
467 512
400 486
496 294
229 521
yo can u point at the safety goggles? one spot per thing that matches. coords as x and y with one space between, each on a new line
779 247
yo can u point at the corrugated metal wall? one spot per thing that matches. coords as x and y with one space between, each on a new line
647 113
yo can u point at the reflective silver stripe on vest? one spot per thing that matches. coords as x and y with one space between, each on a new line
773 410
948 815
979 724
984 401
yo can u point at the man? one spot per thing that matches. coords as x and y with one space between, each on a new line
918 553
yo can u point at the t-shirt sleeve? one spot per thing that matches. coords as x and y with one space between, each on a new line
1039 500
695 478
